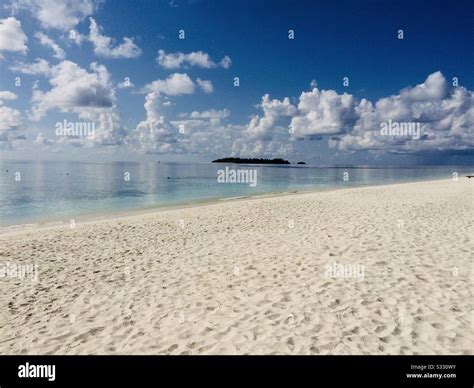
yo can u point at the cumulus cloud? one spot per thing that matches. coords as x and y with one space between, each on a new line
201 120
103 45
196 132
38 67
197 58
273 110
264 135
109 130
89 94
11 124
154 134
7 95
12 37
445 115
205 132
319 112
176 84
323 113
58 14
73 89
205 85
46 41
211 114
10 119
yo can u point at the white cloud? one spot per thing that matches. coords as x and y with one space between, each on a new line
73 89
77 37
277 147
38 67
204 133
202 120
158 135
90 95
211 114
197 58
225 62
10 124
12 37
58 14
41 139
207 133
206 86
109 130
48 42
197 132
445 115
208 137
7 95
175 85
323 113
103 44
263 136
154 134
10 119
273 110
125 84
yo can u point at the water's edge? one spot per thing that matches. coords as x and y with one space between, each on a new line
53 222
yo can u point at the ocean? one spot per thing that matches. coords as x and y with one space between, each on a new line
47 191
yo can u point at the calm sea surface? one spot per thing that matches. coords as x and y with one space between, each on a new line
50 191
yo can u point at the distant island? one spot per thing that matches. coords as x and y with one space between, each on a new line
251 161
301 163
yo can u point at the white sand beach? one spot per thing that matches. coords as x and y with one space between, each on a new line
373 270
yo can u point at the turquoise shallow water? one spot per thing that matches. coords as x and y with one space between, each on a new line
62 190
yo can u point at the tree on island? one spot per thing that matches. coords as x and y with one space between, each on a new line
251 161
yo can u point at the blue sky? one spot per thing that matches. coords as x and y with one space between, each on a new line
308 114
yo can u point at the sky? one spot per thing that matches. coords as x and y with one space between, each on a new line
330 83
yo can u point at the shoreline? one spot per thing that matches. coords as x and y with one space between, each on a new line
54 221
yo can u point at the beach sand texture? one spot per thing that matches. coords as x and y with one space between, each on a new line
251 277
